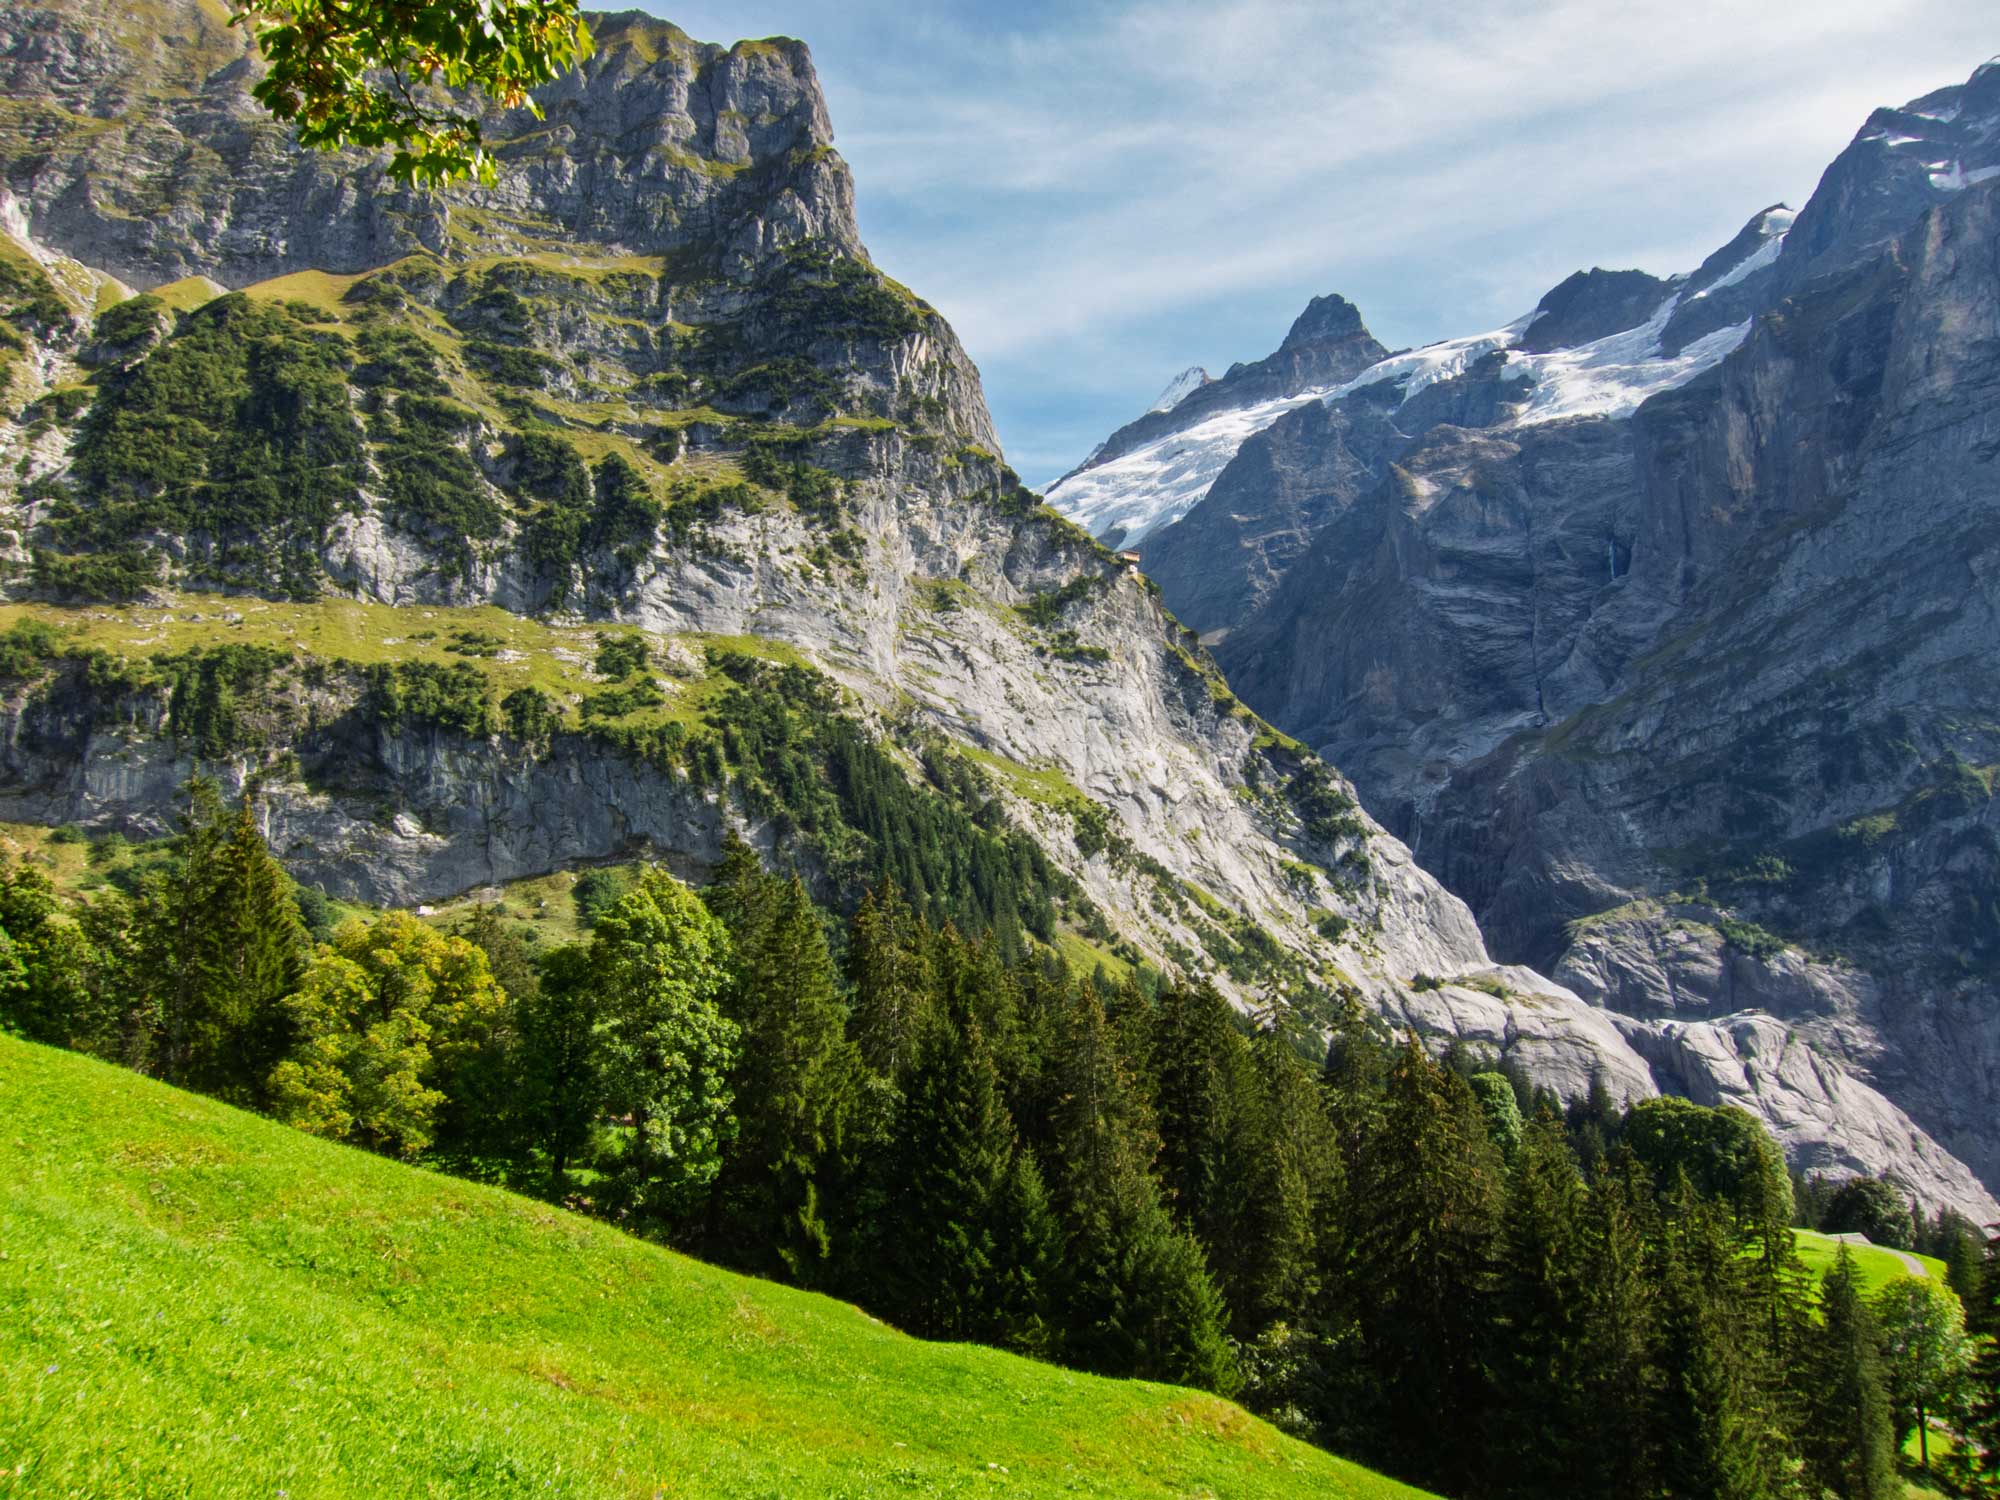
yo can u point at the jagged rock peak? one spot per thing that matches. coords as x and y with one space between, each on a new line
1325 320
1591 305
152 162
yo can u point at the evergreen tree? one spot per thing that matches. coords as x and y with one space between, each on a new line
1139 1298
1714 1431
1846 1439
1617 1383
795 1080
1963 1254
1981 1465
1290 1191
970 1239
1207 1111
889 968
1502 1109
1541 1360
1426 1193
224 945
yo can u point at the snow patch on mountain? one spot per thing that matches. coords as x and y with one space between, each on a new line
1951 177
1127 499
1613 376
1764 255
1183 385
1155 485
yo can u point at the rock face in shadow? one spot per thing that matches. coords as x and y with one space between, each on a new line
1733 642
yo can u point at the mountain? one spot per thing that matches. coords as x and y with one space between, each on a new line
1660 624
1148 472
610 510
193 1267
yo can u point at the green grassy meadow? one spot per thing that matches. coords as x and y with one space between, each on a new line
195 1301
1876 1266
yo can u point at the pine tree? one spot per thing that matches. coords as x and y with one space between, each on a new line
1425 1197
1982 1427
1847 1440
1617 1381
795 1080
1538 1442
1712 1429
889 967
1027 1261
1290 1191
1207 1112
1139 1300
969 1236
224 945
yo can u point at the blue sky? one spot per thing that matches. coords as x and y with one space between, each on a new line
1101 194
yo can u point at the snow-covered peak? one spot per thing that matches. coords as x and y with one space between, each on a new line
1190 380
1127 498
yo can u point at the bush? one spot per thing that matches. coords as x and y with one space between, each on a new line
530 714
119 576
596 892
619 656
28 648
430 694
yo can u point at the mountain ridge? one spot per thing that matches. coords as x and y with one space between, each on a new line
747 442
1480 598
752 445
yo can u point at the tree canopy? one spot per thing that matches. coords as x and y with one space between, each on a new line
372 73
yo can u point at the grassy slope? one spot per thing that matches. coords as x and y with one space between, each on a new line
554 658
1876 1266
196 1301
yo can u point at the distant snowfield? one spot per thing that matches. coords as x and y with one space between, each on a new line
1155 485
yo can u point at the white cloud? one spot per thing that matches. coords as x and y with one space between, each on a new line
1097 195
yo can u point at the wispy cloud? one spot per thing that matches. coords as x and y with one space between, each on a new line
1099 194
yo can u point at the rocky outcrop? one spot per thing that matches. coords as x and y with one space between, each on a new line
132 144
1593 305
1798 1041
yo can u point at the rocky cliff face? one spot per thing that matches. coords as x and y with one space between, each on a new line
132 144
1684 588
